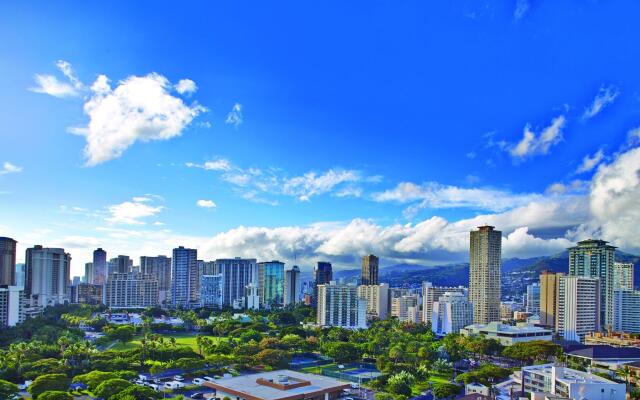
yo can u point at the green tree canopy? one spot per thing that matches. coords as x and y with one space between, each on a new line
49 382
445 390
342 352
55 395
8 390
111 387
484 375
94 378
136 392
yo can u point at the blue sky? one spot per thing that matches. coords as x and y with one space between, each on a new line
321 131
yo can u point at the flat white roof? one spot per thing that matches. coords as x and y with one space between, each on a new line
248 384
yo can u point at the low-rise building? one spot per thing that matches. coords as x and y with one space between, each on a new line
616 339
508 334
279 385
606 357
548 381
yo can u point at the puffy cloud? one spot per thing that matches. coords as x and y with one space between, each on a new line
614 201
575 186
49 84
590 162
186 86
9 168
532 144
206 203
312 184
131 212
606 95
140 108
520 243
235 117
435 195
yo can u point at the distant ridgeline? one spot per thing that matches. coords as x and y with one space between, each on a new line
458 274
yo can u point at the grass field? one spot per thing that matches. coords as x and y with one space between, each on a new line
182 339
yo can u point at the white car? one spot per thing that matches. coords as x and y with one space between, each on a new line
198 381
154 386
173 385
178 378
208 379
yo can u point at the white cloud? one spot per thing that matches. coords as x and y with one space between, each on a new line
590 162
235 117
186 86
312 184
522 6
220 164
206 204
575 186
435 195
633 137
132 212
49 84
606 95
532 144
138 109
9 168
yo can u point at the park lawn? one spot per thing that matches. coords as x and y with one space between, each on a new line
182 339
434 378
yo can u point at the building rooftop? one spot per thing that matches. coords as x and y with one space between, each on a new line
276 385
607 353
508 329
567 375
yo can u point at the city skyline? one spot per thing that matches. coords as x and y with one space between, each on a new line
394 133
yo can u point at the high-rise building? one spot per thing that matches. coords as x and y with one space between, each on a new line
251 300
322 274
11 305
7 261
99 266
623 276
431 294
121 265
88 273
595 258
271 283
47 277
20 268
451 312
207 267
626 310
578 304
211 291
533 299
292 286
339 305
87 293
131 290
185 282
484 274
548 297
160 267
369 272
237 273
377 297
405 308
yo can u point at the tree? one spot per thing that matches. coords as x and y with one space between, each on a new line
383 396
94 378
55 395
342 352
49 382
400 383
8 390
136 392
111 387
445 390
273 358
484 375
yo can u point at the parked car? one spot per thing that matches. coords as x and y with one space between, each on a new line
173 385
154 386
355 385
178 378
198 381
208 379
197 395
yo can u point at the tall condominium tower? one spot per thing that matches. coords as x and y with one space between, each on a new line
292 286
131 290
323 274
533 299
623 276
339 305
99 266
88 273
595 258
548 297
369 272
185 285
431 294
271 283
7 261
578 307
484 274
237 274
377 297
160 267
121 265
47 276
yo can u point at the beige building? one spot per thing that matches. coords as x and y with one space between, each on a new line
484 274
339 305
431 294
548 297
405 308
377 297
131 290
578 312
622 276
